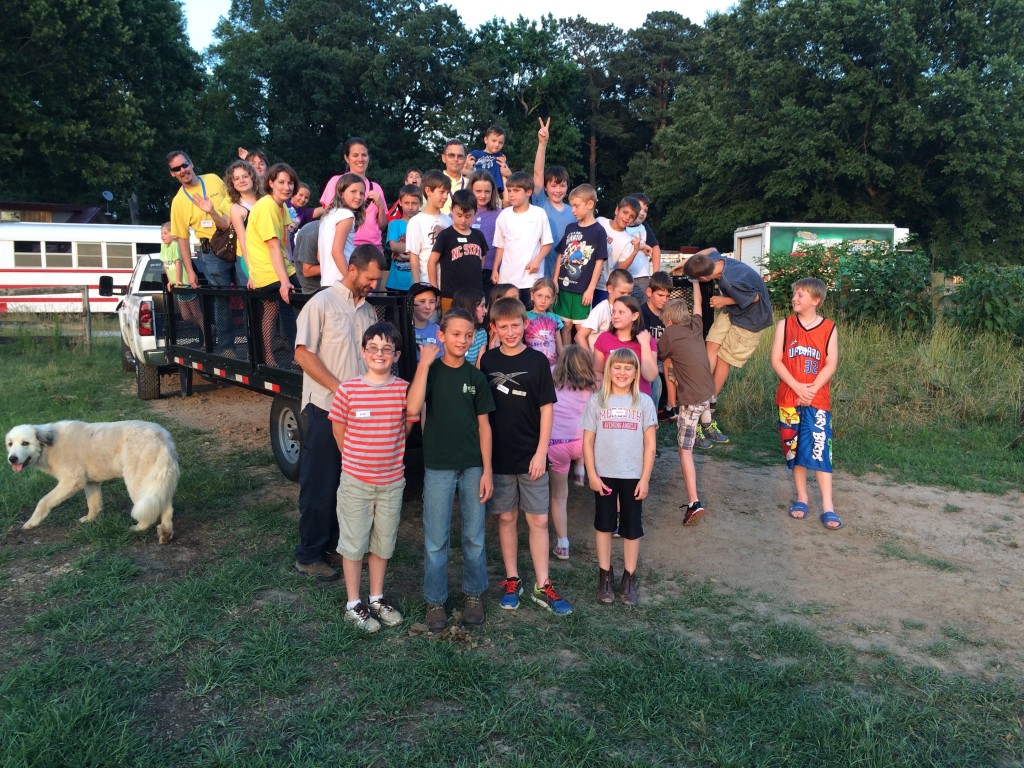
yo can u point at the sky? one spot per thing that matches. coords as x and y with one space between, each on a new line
202 15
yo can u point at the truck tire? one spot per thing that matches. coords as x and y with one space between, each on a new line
147 381
127 361
286 435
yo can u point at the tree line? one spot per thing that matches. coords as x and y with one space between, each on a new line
909 111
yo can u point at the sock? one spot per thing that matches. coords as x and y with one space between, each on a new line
563 542
375 598
352 604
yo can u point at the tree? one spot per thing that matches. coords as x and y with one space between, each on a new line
846 110
90 89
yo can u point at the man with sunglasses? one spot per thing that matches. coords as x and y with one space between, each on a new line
202 205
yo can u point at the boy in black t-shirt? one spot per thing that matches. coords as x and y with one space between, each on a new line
582 252
460 251
524 397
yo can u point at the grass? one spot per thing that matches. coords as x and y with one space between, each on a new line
940 409
116 651
893 549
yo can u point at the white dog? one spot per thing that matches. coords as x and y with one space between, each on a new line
82 455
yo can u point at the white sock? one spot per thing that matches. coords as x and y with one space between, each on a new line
563 542
352 604
375 598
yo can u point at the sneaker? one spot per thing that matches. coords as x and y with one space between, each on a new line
579 479
714 434
562 553
319 570
548 598
694 512
701 442
605 586
361 617
627 588
513 590
671 413
437 618
386 613
473 611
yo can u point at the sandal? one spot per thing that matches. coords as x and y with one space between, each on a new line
798 510
830 517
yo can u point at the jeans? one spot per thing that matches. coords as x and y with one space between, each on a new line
220 274
319 476
656 387
439 486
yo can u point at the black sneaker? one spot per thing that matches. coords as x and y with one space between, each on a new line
694 512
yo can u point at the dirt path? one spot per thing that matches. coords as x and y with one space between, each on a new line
930 575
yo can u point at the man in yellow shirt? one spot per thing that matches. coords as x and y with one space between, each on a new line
202 205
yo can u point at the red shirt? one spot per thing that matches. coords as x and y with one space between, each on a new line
804 353
374 419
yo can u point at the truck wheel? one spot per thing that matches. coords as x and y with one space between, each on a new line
286 435
127 361
147 381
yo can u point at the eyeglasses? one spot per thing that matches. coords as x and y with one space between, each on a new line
454 156
182 167
380 350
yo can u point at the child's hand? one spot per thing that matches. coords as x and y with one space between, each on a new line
544 132
428 354
641 490
533 267
538 465
644 337
503 167
597 485
486 486
588 297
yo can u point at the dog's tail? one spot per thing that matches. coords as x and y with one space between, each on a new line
157 497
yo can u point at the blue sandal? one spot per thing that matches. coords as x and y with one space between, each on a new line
831 517
798 510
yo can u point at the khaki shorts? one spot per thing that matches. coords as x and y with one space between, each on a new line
737 344
368 517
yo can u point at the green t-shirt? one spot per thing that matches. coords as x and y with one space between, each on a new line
451 433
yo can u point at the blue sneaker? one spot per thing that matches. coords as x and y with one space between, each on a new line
714 434
548 598
513 589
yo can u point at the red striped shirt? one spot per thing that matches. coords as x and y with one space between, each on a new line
374 419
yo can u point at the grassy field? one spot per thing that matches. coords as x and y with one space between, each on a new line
116 651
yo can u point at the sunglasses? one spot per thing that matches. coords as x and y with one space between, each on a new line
182 167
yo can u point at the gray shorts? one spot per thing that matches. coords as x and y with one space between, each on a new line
513 492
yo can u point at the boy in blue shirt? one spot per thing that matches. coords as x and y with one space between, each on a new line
491 158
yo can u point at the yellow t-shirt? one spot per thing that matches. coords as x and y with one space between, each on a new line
186 214
267 221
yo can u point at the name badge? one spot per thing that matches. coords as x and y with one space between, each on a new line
502 388
206 223
362 414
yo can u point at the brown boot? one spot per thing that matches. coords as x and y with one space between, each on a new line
605 587
627 589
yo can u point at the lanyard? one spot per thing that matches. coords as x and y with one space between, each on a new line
201 184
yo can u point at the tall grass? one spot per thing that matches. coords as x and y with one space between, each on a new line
940 407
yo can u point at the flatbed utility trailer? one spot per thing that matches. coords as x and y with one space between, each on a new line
186 329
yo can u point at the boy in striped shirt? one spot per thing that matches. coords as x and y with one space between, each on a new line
370 424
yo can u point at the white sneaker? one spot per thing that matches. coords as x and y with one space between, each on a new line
386 613
360 616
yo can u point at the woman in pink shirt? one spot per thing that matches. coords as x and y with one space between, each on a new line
371 232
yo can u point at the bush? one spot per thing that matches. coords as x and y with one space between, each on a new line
990 299
866 284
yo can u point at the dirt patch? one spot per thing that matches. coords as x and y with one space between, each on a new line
930 575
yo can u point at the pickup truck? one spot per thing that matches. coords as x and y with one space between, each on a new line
164 332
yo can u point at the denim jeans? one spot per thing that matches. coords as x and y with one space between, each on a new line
219 274
439 486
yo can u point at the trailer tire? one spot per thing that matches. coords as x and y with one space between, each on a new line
127 360
286 435
147 381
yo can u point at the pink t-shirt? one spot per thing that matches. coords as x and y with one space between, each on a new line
568 407
370 231
608 342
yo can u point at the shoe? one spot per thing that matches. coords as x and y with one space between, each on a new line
335 559
360 616
513 590
319 570
562 553
473 611
605 586
674 416
548 598
702 442
714 434
437 618
671 413
615 533
386 613
579 479
627 589
830 520
694 513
